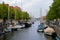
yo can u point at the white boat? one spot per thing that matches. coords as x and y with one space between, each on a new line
8 29
49 31
17 26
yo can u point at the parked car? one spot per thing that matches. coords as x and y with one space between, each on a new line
49 31
40 28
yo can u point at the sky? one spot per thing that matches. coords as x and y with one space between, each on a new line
36 8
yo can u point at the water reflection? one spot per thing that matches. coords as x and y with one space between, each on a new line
40 35
27 34
49 37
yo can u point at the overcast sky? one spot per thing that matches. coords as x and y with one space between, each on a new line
33 7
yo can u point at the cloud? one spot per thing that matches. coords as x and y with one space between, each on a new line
34 7
31 6
31 2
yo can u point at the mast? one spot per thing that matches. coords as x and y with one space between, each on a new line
15 13
22 9
41 15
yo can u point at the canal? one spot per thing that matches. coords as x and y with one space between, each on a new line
27 34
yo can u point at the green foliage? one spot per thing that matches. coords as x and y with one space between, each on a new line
26 16
11 13
18 14
54 12
3 11
12 10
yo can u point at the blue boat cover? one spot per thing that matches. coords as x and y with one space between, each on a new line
40 26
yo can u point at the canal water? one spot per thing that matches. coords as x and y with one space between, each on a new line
27 34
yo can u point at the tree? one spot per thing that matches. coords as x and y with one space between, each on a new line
11 12
26 16
54 12
18 14
4 12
